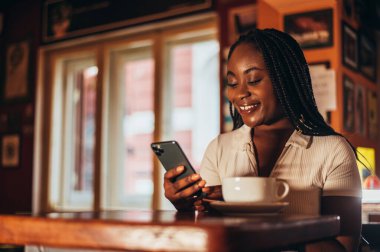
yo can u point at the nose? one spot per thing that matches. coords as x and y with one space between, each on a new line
242 91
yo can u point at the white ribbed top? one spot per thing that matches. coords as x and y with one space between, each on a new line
312 165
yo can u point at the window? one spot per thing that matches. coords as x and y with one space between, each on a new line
110 99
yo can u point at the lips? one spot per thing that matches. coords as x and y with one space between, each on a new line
248 108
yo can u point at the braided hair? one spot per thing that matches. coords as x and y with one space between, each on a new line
290 77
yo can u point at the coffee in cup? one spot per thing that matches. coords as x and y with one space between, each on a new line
254 189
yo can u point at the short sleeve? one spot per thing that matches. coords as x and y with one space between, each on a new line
209 171
342 176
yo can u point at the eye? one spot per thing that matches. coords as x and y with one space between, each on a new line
253 82
231 85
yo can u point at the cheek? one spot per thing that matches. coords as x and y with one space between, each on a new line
274 106
229 94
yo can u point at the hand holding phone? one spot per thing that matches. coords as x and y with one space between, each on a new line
171 156
180 185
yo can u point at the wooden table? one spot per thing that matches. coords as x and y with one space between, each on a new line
165 231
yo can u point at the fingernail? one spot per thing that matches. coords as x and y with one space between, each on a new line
202 183
180 168
195 177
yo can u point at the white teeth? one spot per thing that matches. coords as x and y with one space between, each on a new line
248 107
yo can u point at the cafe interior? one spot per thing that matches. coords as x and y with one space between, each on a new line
87 86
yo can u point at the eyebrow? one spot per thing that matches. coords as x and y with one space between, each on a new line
247 71
251 69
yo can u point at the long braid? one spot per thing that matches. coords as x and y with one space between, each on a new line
286 60
308 91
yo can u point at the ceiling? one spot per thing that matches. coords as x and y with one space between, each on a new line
368 10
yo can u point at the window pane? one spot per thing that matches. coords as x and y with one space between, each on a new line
138 132
195 89
130 183
84 128
81 150
73 163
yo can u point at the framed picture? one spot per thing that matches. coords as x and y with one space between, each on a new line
10 150
63 19
17 71
348 104
367 56
349 47
372 115
1 23
360 110
240 20
311 29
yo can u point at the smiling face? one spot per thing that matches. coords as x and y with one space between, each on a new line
250 89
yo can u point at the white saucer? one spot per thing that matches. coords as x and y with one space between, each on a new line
248 207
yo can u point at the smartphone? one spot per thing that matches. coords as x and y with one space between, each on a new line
171 156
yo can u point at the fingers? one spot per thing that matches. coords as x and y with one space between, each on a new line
172 173
183 188
191 190
185 182
169 186
213 192
198 205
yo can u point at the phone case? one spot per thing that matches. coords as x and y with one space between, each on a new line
171 156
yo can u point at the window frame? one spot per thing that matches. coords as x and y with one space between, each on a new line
159 32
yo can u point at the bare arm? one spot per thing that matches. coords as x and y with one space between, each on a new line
349 210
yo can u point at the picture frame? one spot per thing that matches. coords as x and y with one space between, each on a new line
372 115
360 110
348 104
367 56
10 150
17 71
241 20
312 29
350 54
65 19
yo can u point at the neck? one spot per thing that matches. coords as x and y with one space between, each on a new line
282 125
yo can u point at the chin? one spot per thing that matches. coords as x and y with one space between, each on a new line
251 124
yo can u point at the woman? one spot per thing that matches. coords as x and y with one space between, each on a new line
278 132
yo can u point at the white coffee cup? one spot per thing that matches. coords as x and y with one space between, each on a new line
254 189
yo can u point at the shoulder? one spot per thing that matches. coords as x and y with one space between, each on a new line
337 155
321 146
333 144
